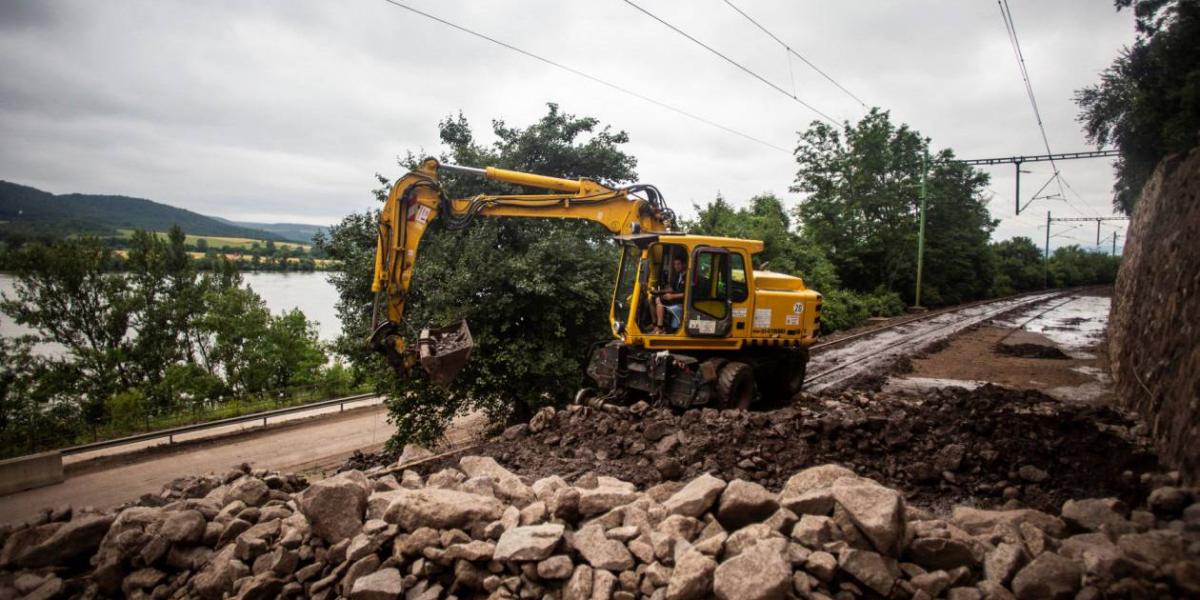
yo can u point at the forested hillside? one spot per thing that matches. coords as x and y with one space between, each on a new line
292 232
29 212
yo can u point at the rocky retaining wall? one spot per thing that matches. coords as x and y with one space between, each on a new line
1154 326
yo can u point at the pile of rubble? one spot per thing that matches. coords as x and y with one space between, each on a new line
479 530
988 446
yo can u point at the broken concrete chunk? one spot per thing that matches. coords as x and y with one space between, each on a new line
441 508
529 543
696 497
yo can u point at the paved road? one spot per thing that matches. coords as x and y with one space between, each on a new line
302 446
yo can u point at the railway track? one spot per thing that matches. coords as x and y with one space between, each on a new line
839 360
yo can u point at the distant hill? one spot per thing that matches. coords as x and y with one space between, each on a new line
28 211
293 232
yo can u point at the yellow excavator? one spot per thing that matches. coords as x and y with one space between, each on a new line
693 323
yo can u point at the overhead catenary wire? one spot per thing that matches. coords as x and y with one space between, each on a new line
744 68
793 52
589 77
1015 42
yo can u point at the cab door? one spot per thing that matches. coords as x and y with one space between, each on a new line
709 311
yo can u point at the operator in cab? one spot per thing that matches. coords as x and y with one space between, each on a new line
668 301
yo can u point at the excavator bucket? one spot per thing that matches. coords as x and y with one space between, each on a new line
444 351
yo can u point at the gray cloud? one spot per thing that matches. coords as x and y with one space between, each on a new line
283 110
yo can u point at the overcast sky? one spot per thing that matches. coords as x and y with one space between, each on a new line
284 110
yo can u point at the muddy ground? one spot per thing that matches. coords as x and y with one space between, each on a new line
985 446
981 443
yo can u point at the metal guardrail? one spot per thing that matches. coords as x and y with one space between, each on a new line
174 431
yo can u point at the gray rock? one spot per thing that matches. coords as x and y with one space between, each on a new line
335 507
74 539
555 567
1002 562
265 586
1049 576
1168 500
184 527
1032 474
871 569
692 577
250 490
1154 547
815 531
976 521
878 512
533 542
217 577
745 502
813 502
932 583
761 572
602 499
441 509
748 536
475 550
812 478
412 453
384 584
1098 514
579 587
507 485
52 587
821 564
696 497
603 584
942 553
601 552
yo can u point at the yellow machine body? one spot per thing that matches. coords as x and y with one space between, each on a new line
728 309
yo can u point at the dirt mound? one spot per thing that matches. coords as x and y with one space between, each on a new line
983 446
1031 351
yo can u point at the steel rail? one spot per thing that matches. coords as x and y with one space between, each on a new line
927 333
174 431
913 319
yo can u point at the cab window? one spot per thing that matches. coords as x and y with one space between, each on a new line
710 284
738 288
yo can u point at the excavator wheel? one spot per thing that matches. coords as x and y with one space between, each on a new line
793 371
735 385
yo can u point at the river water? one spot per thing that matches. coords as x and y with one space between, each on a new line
310 292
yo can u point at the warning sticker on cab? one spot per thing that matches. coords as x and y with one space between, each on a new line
703 326
739 313
792 320
762 318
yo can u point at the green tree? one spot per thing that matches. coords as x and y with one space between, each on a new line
202 245
66 292
1147 102
1018 263
1074 266
535 291
861 206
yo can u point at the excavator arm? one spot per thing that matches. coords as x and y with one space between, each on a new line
417 199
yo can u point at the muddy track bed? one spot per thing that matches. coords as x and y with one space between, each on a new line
987 446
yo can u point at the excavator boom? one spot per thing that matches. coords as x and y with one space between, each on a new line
417 199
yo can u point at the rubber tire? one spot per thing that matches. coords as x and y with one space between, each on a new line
735 385
793 373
